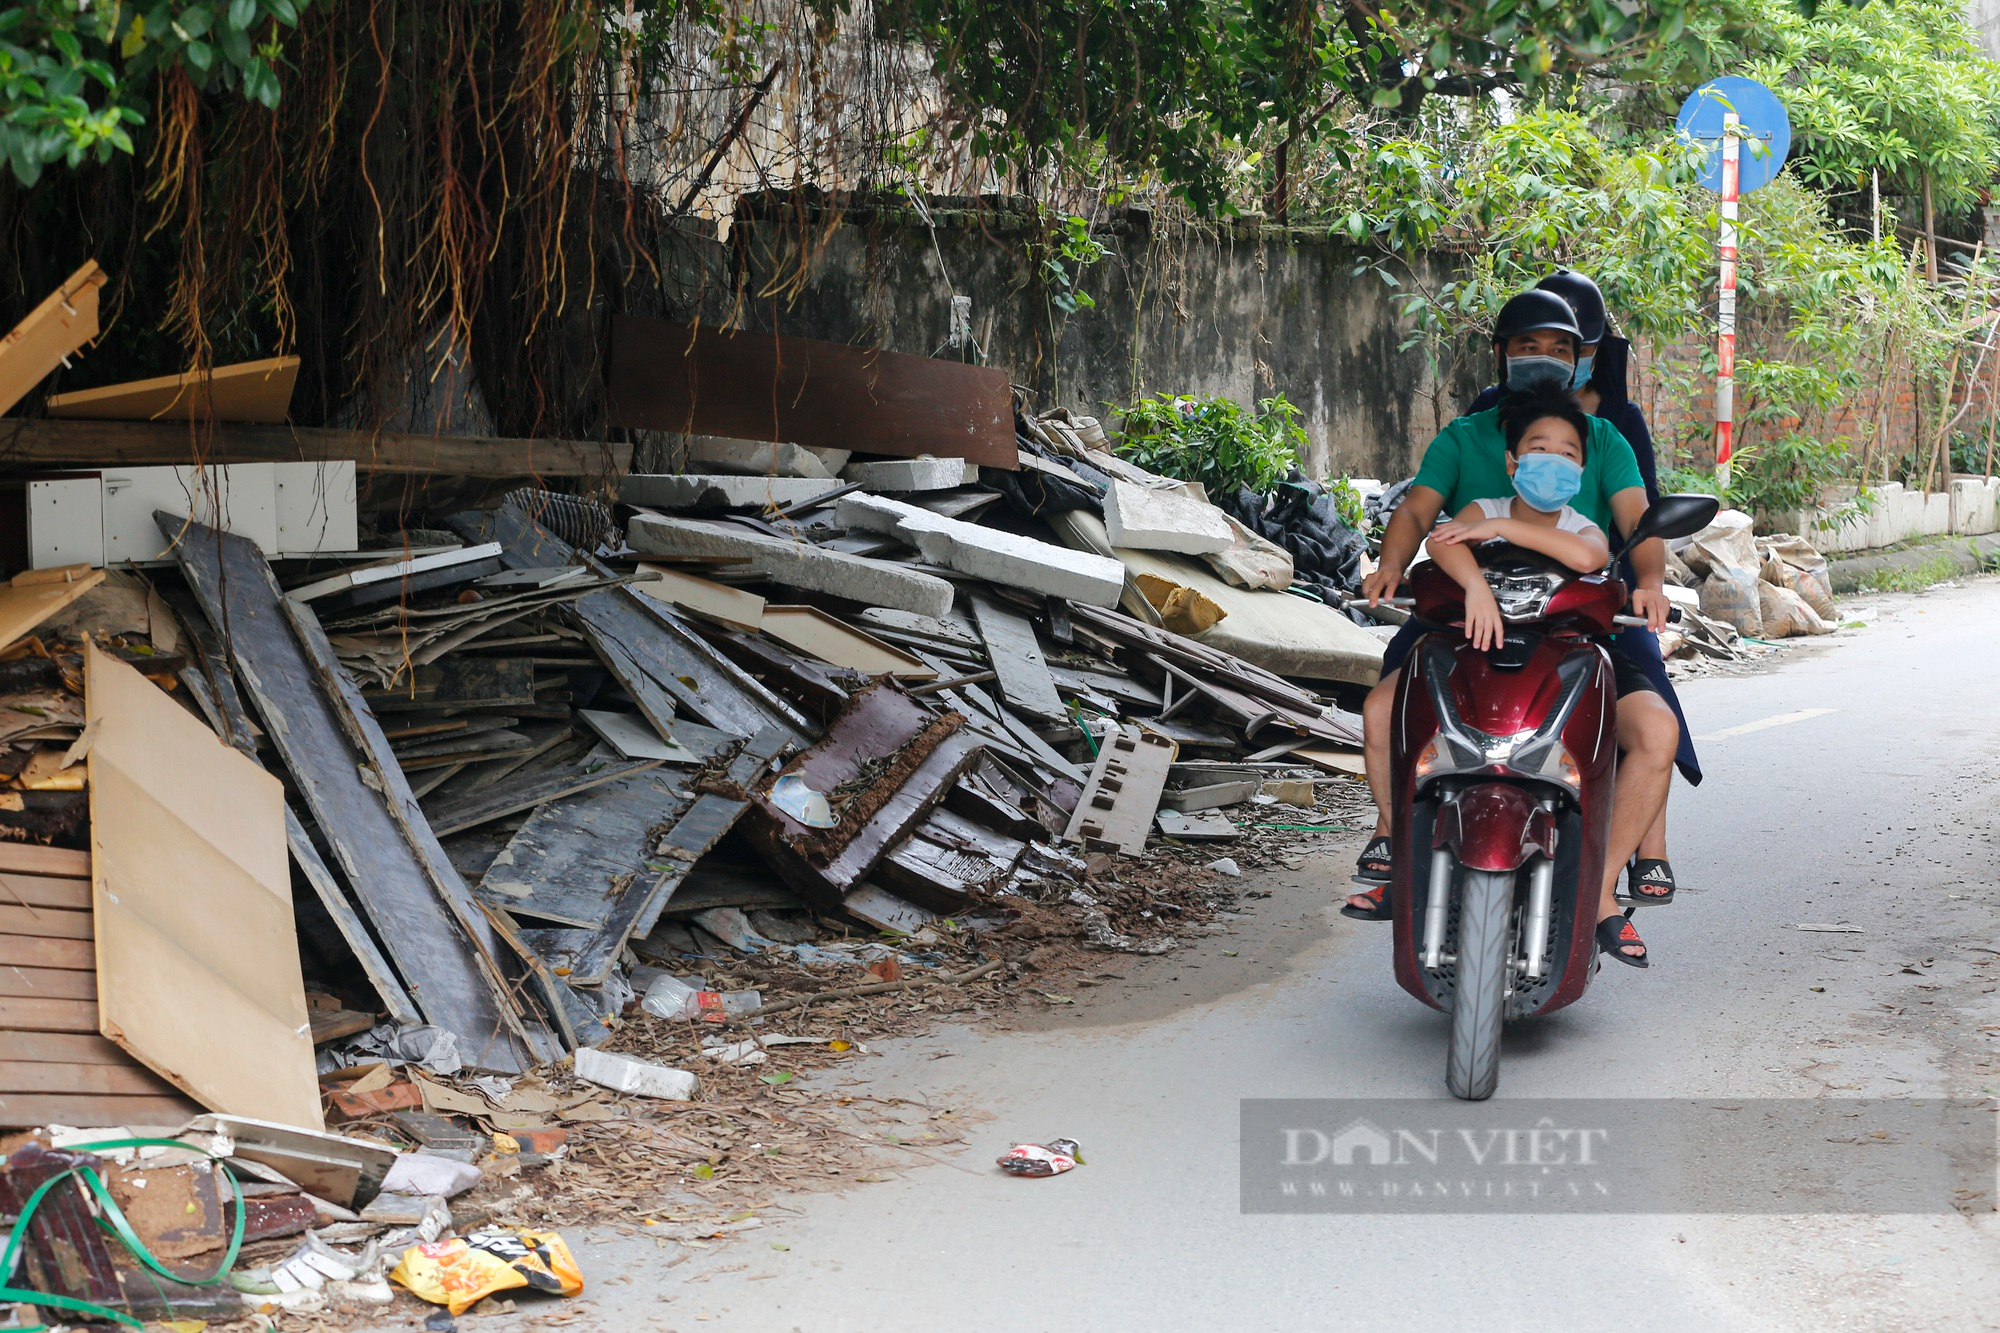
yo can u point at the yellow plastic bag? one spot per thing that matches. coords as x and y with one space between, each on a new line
460 1272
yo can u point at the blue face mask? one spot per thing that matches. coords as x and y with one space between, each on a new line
1547 481
1582 376
1538 372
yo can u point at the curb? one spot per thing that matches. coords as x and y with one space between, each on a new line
1967 554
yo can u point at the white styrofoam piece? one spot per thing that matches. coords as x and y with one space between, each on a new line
65 523
623 1073
316 507
241 498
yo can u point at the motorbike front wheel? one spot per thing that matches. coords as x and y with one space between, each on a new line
1485 909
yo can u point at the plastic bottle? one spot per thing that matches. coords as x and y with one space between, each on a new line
668 997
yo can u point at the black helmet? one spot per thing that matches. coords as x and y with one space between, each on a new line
1535 309
1584 299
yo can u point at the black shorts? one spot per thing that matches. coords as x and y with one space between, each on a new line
1628 676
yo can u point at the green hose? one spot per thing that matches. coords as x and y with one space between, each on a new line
114 1221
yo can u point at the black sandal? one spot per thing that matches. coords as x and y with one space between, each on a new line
1376 864
1379 910
1616 932
1649 880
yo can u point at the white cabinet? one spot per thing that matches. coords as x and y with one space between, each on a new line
107 518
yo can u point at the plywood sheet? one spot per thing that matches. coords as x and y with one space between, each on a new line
259 392
197 954
732 606
768 386
23 608
64 321
813 631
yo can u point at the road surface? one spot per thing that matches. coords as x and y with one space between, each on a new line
1855 781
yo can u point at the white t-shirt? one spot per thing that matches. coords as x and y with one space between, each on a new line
1567 519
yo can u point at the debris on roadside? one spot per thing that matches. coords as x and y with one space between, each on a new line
1041 1159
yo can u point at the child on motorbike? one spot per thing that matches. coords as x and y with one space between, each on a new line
1545 434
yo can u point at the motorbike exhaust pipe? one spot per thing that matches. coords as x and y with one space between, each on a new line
1541 893
1436 907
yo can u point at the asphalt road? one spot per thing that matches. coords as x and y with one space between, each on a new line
1851 782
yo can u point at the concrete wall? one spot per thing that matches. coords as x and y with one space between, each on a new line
1970 506
1235 313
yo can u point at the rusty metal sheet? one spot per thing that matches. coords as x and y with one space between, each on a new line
769 386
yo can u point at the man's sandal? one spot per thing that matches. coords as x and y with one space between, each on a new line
1617 933
1378 908
1649 881
1375 865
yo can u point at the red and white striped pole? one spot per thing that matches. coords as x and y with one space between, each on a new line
1725 308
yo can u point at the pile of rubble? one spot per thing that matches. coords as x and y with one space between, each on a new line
1735 591
530 842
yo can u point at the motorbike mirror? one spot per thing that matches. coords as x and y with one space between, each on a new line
1673 516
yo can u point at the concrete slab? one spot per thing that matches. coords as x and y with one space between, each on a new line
795 564
753 458
1137 518
907 474
1273 630
714 492
998 557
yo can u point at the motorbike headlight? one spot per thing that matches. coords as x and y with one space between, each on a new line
1523 596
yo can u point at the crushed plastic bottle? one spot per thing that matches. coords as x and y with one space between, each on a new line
1042 1159
720 1006
670 997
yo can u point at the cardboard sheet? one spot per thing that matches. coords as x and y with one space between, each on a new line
252 391
197 955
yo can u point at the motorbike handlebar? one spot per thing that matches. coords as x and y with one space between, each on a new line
1386 601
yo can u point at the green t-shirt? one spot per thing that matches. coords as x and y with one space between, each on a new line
1468 461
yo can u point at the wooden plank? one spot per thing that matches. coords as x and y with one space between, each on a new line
450 968
44 890
1017 659
877 907
49 1015
813 631
197 953
24 607
590 953
252 391
89 1111
100 444
651 650
62 1048
213 687
45 923
770 386
18 1076
43 983
732 606
577 856
64 321
485 804
23 951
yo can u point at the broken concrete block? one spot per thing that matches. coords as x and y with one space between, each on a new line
714 491
796 564
833 460
988 553
754 458
1139 519
1975 504
908 474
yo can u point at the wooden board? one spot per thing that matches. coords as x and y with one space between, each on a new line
45 923
43 983
450 968
197 954
589 953
62 1048
22 951
32 860
1332 760
770 386
93 1112
485 804
49 1015
831 640
100 444
24 607
252 391
64 321
1017 659
575 857
651 650
1123 794
44 890
732 606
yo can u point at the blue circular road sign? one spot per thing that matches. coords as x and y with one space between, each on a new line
1767 130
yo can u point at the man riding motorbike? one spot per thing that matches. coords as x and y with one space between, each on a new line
1600 388
1538 341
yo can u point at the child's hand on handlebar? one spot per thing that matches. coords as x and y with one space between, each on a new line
1483 625
1381 585
1654 606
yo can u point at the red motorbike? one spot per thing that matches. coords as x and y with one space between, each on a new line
1502 766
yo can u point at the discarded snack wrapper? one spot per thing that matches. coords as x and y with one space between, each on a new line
460 1272
1042 1159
